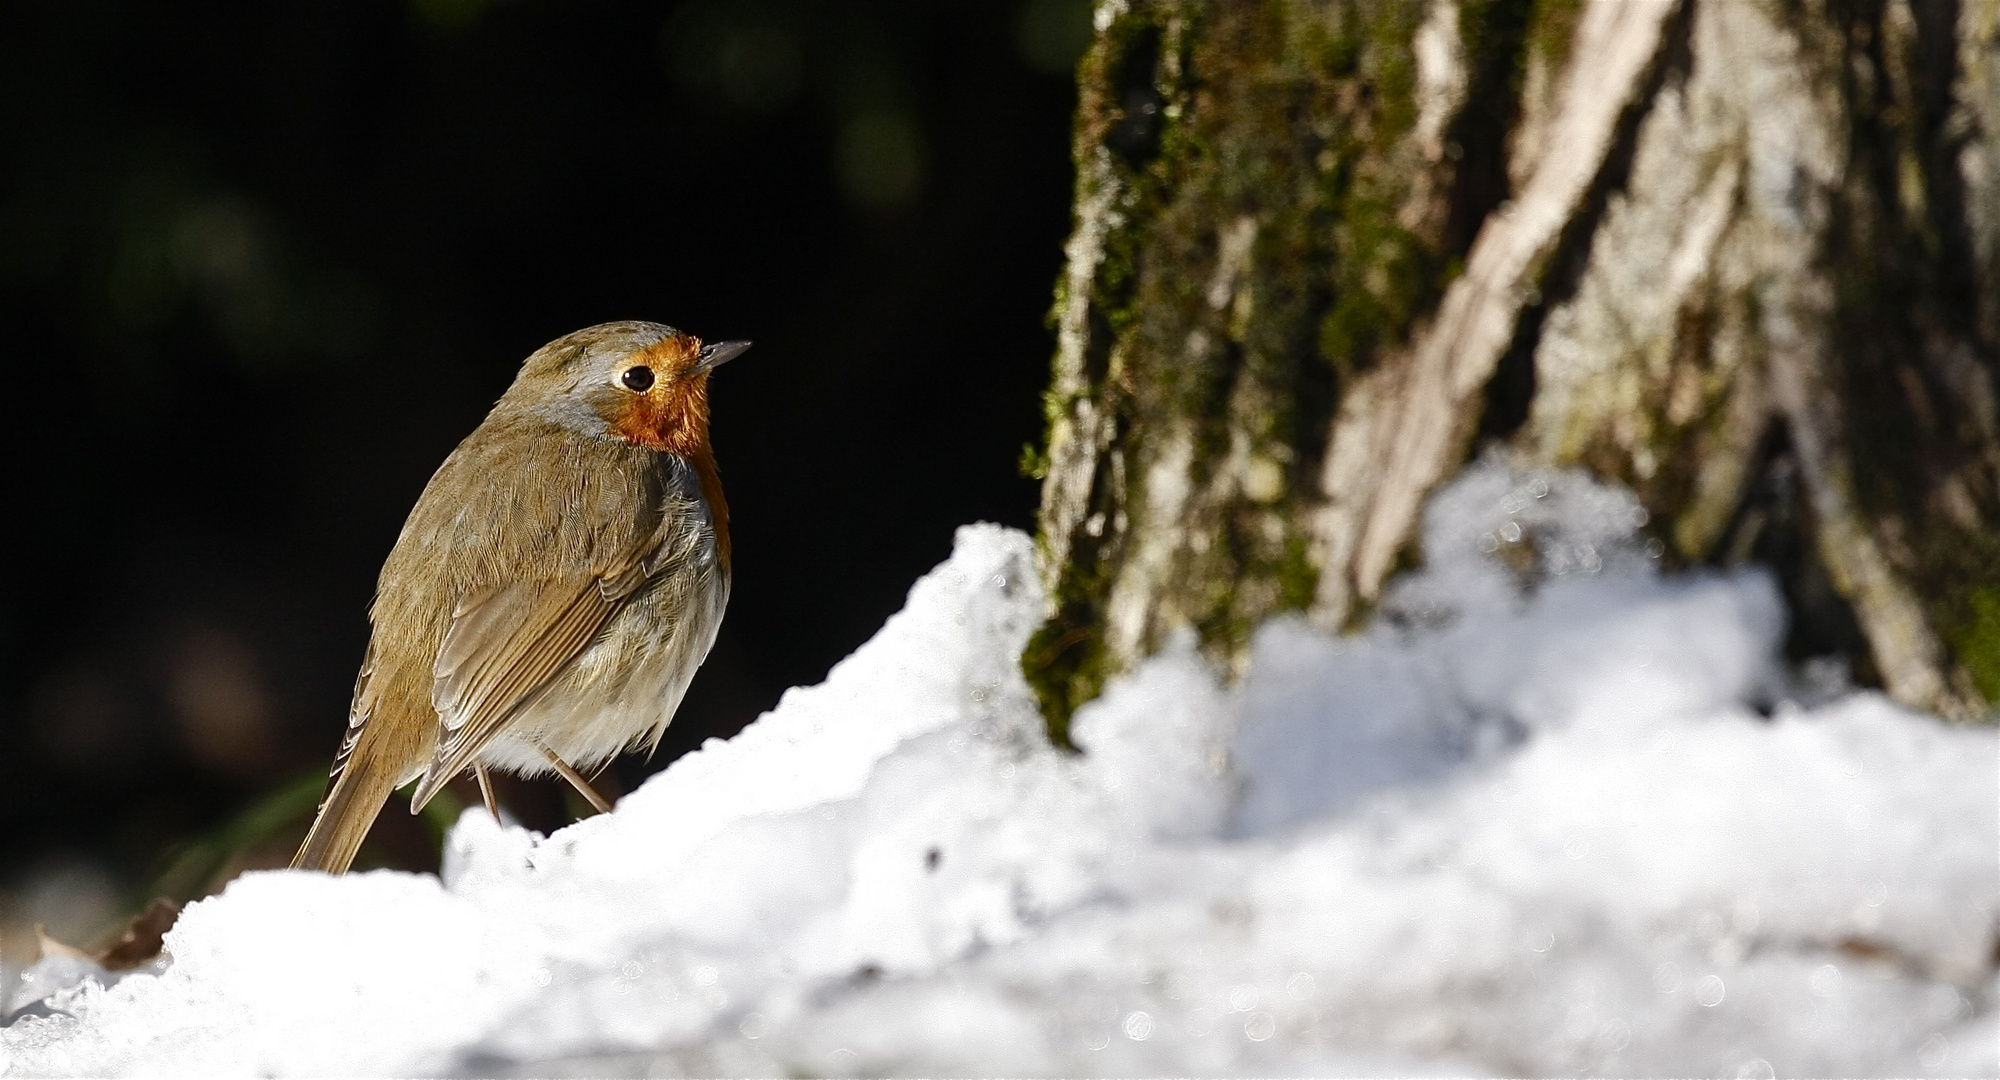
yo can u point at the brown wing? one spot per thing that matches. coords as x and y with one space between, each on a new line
504 647
361 706
355 790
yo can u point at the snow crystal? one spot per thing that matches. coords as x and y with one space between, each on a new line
1554 812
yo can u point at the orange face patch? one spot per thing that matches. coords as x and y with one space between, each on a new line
672 414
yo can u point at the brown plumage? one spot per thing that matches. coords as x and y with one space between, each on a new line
554 589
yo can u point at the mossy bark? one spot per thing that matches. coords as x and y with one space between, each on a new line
1737 254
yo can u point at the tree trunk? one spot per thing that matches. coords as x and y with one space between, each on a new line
1738 255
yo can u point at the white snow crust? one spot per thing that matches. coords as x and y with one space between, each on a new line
1555 813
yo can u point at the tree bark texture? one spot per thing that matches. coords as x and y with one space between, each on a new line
1740 255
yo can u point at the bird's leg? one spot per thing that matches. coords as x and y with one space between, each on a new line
576 780
486 791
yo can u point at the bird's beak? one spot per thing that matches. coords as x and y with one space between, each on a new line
716 355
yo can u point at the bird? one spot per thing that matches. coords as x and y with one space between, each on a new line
557 584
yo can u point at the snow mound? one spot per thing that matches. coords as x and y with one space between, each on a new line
1554 813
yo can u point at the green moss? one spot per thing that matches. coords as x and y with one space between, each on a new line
1034 462
1378 286
1064 664
1552 29
1298 578
1958 575
1392 65
1978 643
1329 45
1379 274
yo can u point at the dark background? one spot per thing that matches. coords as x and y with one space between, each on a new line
263 265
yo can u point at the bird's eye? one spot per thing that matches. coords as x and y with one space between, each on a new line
637 379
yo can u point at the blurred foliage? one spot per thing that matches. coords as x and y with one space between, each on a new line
265 833
200 864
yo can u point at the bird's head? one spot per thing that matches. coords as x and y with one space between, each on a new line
639 382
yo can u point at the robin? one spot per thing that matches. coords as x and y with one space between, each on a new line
554 589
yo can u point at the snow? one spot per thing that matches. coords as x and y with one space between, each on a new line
1554 813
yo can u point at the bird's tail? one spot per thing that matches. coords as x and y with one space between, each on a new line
355 797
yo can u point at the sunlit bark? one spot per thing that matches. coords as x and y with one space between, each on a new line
1740 256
